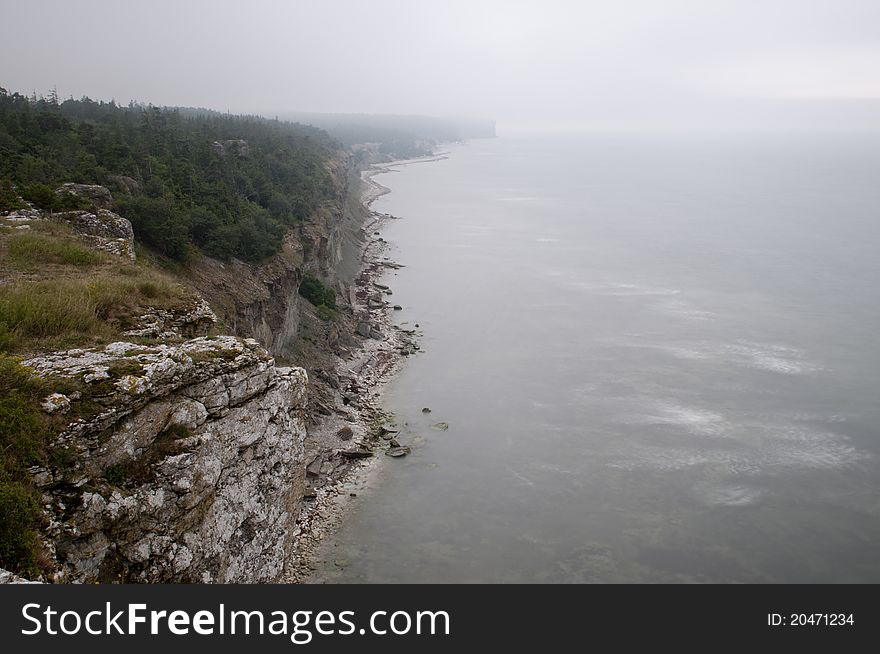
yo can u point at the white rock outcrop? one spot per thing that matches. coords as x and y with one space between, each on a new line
7 577
185 465
102 229
188 322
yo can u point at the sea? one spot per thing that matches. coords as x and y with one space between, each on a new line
657 354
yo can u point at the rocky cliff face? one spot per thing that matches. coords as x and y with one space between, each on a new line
261 300
184 461
181 462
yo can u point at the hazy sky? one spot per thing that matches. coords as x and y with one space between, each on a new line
641 61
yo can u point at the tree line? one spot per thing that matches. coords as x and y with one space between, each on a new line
183 178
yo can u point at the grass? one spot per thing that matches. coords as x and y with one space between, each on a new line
38 315
122 367
24 430
325 313
56 292
40 249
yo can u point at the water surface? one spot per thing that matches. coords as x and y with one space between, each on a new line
658 356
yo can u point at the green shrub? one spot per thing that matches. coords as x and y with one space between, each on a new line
325 313
116 474
312 289
43 197
8 197
40 195
70 202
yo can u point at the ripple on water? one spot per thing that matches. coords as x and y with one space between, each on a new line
751 448
633 290
726 494
682 309
772 357
606 289
692 419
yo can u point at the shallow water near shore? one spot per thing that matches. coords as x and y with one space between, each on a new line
658 359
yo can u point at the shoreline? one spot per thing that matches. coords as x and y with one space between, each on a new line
350 442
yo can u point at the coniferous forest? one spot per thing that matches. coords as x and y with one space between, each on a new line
190 182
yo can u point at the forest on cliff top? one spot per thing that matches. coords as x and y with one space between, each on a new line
218 184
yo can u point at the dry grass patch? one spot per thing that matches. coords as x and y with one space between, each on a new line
42 315
30 250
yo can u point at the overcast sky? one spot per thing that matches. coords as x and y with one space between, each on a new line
614 61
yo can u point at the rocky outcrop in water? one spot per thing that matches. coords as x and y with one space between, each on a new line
181 462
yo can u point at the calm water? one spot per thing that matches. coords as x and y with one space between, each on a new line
658 356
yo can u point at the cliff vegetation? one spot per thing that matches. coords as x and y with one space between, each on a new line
227 186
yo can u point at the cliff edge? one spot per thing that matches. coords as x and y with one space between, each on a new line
185 463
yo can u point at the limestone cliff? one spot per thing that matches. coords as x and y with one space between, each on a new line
182 462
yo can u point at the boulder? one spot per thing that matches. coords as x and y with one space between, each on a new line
314 468
99 196
103 229
363 329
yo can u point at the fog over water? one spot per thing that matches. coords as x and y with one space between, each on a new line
657 355
633 62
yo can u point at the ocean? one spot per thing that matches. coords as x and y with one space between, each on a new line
657 354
